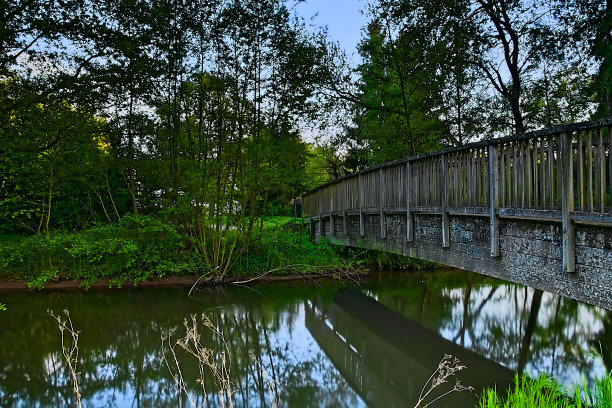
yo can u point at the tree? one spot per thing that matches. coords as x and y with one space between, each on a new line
588 25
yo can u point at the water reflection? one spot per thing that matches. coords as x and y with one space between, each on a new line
308 345
388 359
519 327
121 354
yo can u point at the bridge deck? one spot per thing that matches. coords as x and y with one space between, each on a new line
534 209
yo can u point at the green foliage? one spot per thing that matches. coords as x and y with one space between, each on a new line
135 249
544 392
2 307
286 247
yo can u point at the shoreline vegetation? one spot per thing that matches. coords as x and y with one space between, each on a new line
147 251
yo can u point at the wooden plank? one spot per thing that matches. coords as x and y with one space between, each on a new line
602 172
536 180
559 166
567 203
590 170
444 202
493 201
581 180
332 202
550 170
515 197
381 203
502 177
409 215
528 176
610 166
521 173
319 205
361 203
542 173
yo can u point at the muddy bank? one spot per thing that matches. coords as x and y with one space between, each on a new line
167 282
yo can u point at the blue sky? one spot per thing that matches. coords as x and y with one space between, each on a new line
342 18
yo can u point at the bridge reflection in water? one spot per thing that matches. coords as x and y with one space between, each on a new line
387 359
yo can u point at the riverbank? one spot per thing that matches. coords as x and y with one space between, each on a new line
153 251
173 282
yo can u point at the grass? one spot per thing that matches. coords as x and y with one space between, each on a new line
544 392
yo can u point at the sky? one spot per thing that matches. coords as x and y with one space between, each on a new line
342 18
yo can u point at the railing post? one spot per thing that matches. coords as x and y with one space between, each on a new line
493 200
332 227
345 203
381 199
444 203
567 203
319 199
409 215
361 200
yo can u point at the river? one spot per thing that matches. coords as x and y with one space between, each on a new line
298 344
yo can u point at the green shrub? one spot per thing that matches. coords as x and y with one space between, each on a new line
135 249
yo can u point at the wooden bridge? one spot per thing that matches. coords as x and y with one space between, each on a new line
534 209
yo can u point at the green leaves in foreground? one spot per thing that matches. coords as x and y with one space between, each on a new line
544 392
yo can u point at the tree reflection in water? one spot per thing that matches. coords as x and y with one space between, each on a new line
121 362
120 354
519 327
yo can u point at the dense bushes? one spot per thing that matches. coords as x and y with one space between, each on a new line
140 247
134 249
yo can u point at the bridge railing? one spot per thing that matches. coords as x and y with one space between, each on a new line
562 174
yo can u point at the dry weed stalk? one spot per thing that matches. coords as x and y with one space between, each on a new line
272 384
71 352
217 364
448 367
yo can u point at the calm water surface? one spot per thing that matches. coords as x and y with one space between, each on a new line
300 344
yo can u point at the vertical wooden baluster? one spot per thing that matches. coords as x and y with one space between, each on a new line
559 165
581 186
444 201
567 203
331 211
515 201
536 180
590 170
528 176
319 204
521 173
602 172
610 166
543 172
361 200
477 177
493 181
344 207
551 180
502 175
381 202
409 215
483 197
